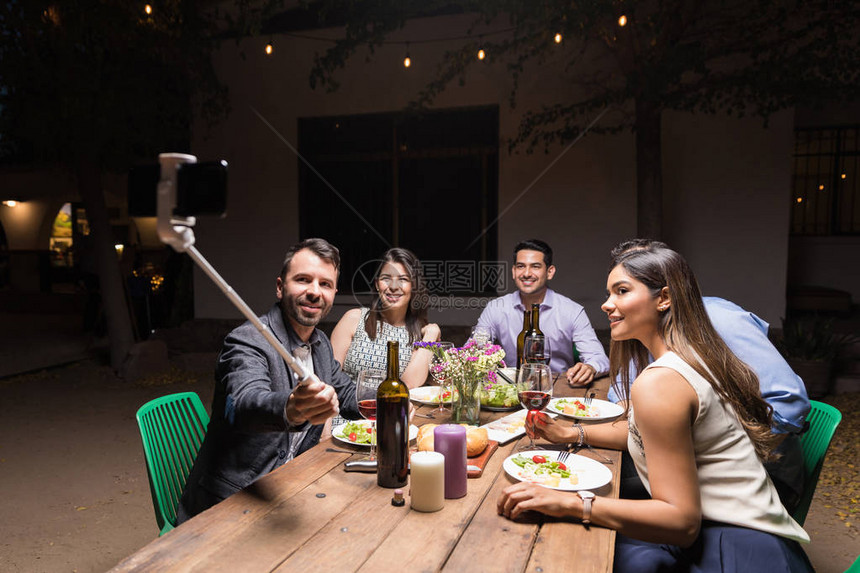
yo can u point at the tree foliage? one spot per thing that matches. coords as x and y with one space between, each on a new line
104 80
741 57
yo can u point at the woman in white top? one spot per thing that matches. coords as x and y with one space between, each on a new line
398 311
697 429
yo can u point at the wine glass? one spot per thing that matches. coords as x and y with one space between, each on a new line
536 349
365 394
482 334
534 388
440 357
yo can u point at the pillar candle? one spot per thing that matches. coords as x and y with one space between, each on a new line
427 481
450 441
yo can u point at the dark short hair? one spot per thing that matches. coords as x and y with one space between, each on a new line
320 247
535 245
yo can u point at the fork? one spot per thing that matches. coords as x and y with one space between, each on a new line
588 399
562 456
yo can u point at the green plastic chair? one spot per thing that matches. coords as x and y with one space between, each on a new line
172 429
855 567
823 419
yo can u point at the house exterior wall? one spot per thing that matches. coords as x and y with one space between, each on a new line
726 180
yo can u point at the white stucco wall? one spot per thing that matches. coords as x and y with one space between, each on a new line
725 180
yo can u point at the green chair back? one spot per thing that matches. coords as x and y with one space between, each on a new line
823 419
172 429
855 567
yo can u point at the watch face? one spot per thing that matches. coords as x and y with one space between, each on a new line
586 494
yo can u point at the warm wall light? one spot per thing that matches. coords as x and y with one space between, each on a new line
407 61
844 176
269 49
148 9
558 38
622 20
11 203
821 187
119 249
800 199
481 54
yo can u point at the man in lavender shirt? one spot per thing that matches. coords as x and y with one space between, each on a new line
563 321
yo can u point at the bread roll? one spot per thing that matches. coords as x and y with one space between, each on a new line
476 439
425 437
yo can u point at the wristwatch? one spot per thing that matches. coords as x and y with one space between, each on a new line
587 498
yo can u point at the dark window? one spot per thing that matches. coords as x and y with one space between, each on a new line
826 195
425 182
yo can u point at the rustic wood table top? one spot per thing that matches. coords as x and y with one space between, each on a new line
310 515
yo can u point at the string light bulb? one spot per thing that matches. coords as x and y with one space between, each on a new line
821 187
148 9
407 61
481 54
622 20
800 199
558 38
844 176
269 49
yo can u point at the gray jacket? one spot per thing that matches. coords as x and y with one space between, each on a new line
248 435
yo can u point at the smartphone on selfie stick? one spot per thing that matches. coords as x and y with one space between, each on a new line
185 189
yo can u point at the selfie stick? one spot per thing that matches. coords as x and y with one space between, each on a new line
177 232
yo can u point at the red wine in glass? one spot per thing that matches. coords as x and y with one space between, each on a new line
534 399
534 389
367 408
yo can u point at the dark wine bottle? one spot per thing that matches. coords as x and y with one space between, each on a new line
521 338
535 329
392 425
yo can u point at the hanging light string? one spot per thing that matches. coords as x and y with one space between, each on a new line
402 42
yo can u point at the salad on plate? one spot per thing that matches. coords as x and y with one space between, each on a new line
545 471
357 433
499 394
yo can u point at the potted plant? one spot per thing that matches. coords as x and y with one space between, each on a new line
810 347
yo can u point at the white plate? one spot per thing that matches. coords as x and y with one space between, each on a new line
599 410
588 473
506 429
428 395
338 430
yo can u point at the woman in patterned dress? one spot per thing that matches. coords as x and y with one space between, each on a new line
398 312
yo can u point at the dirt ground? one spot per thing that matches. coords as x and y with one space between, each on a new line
76 496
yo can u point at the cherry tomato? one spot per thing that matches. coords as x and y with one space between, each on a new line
353 436
539 459
369 430
561 466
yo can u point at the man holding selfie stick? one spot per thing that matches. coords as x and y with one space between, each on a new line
270 403
261 416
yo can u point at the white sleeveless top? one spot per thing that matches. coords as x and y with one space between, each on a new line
734 486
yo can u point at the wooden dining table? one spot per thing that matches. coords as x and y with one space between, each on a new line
311 515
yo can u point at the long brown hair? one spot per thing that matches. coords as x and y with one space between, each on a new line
416 313
687 331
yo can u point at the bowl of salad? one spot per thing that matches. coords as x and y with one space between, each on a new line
499 396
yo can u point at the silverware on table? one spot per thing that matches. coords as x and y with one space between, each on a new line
505 377
337 451
562 456
431 416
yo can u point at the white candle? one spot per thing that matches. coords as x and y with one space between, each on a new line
427 481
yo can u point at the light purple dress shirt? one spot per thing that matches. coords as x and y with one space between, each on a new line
563 321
